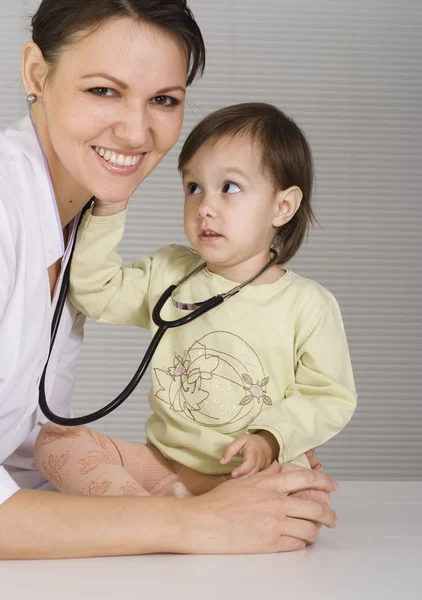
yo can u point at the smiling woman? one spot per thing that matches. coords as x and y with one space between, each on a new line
106 83
85 105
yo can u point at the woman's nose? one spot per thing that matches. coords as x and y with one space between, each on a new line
134 128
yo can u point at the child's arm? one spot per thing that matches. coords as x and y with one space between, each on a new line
323 398
99 286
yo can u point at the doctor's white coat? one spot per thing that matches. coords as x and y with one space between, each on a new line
30 241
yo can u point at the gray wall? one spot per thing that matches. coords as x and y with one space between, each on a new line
350 74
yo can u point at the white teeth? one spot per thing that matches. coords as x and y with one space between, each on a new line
119 160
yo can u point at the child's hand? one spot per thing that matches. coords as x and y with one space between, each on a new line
259 450
106 209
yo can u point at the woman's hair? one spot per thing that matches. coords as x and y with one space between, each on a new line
285 156
57 22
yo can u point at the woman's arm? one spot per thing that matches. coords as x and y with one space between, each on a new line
251 515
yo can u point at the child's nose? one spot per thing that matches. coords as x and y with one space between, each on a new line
207 208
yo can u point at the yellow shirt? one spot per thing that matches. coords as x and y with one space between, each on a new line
273 357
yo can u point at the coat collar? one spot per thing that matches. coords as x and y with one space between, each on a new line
24 137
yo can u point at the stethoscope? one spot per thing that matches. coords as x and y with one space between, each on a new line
197 309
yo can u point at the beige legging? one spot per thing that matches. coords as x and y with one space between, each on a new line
79 460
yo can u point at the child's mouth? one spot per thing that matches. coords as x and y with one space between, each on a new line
208 235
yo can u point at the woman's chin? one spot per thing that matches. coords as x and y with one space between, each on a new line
108 196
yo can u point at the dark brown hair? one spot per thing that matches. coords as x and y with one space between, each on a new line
285 156
56 23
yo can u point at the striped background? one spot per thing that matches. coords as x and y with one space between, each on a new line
350 74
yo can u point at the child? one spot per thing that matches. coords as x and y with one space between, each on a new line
264 376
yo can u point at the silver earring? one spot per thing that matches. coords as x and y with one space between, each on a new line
31 99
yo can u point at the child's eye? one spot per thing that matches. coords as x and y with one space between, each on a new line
102 91
193 188
165 101
230 188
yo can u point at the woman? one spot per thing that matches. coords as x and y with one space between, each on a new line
106 83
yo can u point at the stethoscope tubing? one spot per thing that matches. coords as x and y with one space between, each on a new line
162 324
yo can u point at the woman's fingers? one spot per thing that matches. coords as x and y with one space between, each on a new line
304 531
313 460
290 544
311 510
257 515
296 481
311 456
273 469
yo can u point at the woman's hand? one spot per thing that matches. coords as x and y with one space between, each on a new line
313 461
255 514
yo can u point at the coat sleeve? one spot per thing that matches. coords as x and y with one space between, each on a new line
99 286
7 268
322 399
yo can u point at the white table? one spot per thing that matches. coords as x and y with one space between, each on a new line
375 553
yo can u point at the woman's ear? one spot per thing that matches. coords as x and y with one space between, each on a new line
286 204
34 69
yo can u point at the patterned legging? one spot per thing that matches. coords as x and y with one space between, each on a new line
79 460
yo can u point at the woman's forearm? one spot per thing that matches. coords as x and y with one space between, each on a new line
36 524
253 515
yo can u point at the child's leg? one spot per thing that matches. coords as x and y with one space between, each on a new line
198 483
310 494
80 460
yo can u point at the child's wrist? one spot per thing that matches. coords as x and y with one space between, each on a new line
272 444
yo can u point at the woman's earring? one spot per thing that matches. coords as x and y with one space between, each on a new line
31 99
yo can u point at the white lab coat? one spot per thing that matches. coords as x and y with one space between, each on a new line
30 241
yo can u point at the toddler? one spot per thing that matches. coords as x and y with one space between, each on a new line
264 376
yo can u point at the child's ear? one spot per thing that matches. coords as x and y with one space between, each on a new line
286 204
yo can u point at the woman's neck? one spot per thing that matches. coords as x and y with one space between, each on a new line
70 197
68 211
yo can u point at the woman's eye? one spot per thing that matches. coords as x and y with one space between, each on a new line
102 91
165 101
193 188
230 188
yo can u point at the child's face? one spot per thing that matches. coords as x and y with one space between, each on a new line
229 207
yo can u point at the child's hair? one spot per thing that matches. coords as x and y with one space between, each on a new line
285 156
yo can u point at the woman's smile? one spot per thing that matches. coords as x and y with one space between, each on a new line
118 162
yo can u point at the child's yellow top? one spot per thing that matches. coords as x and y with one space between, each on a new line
273 357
